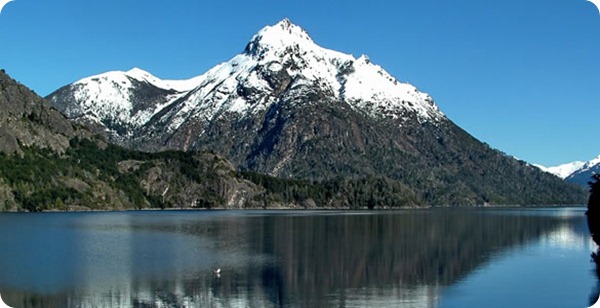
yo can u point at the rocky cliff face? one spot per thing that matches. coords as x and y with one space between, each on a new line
290 108
28 120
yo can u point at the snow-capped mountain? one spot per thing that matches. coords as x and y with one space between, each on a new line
118 101
584 174
358 82
288 107
564 170
280 57
577 172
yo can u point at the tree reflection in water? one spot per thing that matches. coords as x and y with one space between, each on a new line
309 259
319 255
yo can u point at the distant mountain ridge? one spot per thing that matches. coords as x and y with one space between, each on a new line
564 170
577 172
584 174
290 108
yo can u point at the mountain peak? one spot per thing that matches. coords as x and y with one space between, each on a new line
283 34
138 73
583 175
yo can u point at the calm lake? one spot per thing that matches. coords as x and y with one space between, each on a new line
413 258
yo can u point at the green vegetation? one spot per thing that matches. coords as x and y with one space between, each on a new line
341 192
93 175
90 177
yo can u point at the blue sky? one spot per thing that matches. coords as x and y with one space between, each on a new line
520 75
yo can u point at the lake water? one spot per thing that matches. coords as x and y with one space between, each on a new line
413 258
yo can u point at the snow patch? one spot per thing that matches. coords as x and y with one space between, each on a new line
238 86
564 170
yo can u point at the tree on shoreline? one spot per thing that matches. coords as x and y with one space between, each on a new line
593 219
593 211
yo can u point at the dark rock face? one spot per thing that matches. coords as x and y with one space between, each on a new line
291 109
28 120
314 136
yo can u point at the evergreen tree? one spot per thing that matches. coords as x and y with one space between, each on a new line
594 201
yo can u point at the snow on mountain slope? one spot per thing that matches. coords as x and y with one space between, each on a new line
246 83
590 164
124 99
584 174
563 170
371 87
357 81
177 85
577 172
278 58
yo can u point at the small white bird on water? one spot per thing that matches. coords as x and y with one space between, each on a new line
217 272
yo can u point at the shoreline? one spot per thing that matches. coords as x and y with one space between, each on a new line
297 209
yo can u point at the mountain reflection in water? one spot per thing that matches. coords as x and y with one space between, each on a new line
267 259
